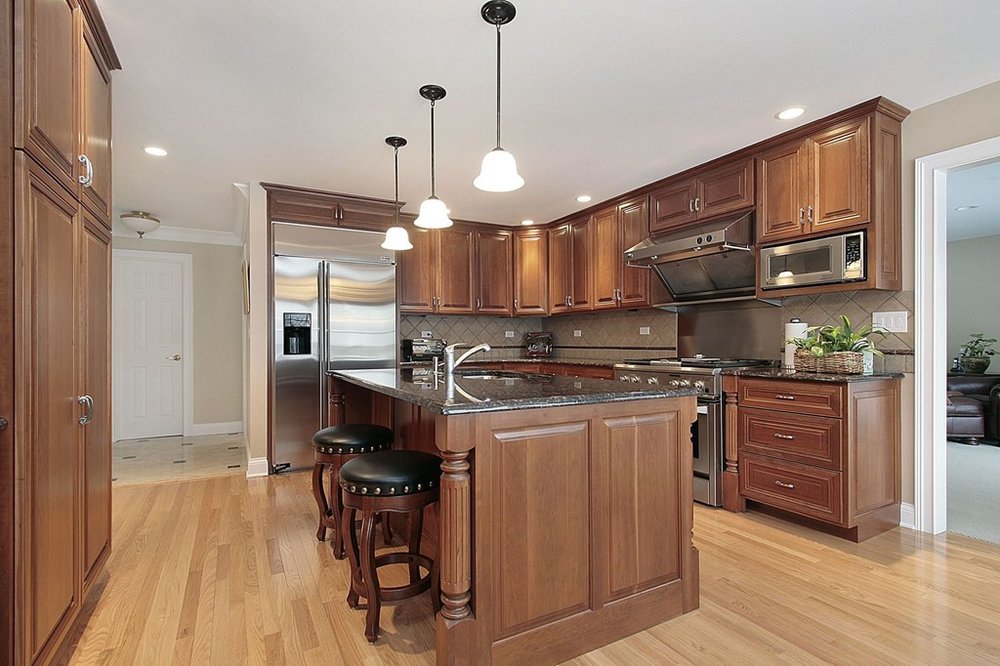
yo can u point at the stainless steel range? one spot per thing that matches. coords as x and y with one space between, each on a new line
708 433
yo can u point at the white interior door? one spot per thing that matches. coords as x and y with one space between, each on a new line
149 343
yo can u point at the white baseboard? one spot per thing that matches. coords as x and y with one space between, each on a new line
906 516
257 467
222 428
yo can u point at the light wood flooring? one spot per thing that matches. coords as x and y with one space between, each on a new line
228 571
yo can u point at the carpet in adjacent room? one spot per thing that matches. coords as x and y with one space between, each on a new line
974 491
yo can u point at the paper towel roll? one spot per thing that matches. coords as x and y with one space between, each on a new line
793 329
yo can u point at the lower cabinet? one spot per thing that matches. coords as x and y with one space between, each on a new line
825 451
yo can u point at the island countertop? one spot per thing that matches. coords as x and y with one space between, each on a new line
474 391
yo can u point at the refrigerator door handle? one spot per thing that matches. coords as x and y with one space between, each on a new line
323 311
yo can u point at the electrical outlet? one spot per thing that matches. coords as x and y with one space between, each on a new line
426 334
577 333
508 334
644 330
894 322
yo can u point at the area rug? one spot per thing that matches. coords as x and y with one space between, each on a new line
974 491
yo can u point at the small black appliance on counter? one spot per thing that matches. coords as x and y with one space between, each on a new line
420 349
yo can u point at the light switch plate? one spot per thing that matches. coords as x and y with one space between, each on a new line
508 334
894 322
577 333
426 334
644 330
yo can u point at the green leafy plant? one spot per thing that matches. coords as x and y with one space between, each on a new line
823 340
978 345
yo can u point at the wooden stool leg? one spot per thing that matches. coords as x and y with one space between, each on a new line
369 573
350 538
337 544
321 502
386 529
416 531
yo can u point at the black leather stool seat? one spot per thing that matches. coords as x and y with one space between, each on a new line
353 438
391 473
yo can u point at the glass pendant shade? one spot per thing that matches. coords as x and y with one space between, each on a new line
433 214
396 238
499 172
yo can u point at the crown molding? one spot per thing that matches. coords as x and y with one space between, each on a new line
185 235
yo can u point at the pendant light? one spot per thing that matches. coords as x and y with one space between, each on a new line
433 212
499 171
396 237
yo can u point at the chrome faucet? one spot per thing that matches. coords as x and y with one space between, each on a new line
450 363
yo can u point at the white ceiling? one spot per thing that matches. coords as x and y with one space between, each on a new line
599 97
974 186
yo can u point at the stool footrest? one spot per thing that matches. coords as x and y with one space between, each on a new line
405 591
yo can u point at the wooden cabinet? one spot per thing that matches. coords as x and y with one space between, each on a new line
531 272
615 230
61 193
781 207
581 295
828 451
560 269
723 189
416 283
454 263
494 271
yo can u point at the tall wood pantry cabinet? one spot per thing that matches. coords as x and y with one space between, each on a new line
58 238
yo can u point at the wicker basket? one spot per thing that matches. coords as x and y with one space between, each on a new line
837 363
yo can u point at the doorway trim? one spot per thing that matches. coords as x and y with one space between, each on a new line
930 459
186 262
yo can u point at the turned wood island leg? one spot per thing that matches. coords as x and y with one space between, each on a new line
456 535
731 499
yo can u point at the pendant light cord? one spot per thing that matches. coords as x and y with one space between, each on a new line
395 158
498 85
433 189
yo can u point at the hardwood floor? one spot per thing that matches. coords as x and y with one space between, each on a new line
228 571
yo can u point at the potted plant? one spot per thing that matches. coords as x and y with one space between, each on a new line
835 349
974 356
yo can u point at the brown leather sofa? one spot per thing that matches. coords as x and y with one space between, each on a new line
973 407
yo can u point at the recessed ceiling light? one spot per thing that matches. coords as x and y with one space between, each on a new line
790 113
155 151
967 207
583 198
527 223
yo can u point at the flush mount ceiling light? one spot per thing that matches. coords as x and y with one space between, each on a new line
433 212
970 207
527 223
499 170
140 222
583 198
155 151
396 237
790 113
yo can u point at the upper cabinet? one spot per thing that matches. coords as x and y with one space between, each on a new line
817 184
560 269
95 155
616 229
301 205
494 271
531 272
571 284
722 190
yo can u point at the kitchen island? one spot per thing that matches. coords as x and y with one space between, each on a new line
565 511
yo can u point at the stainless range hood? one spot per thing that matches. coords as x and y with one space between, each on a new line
707 263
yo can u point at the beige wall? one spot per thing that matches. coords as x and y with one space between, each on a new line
218 325
973 300
957 121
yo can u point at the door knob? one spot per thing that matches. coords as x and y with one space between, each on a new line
174 357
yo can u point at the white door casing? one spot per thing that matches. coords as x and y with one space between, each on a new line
152 388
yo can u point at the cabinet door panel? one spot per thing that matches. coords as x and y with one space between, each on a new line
560 268
781 210
673 206
607 261
48 118
494 258
96 90
582 277
726 189
454 266
96 342
50 410
840 192
531 274
633 218
415 274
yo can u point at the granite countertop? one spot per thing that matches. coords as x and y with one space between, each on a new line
508 391
604 362
783 373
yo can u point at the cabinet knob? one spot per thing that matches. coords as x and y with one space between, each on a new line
697 204
516 306
691 206
809 214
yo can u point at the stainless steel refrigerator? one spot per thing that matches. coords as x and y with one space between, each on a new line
334 308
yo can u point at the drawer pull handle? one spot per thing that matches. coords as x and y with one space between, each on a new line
782 396
790 486
778 435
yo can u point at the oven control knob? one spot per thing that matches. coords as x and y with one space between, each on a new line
635 379
684 383
675 383
653 380
700 386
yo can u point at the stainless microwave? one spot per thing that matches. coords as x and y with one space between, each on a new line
840 258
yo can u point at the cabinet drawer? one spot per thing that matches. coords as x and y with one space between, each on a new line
808 491
812 440
792 396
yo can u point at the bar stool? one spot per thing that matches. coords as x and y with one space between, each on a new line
333 447
379 483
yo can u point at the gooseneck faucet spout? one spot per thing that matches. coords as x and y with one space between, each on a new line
450 362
